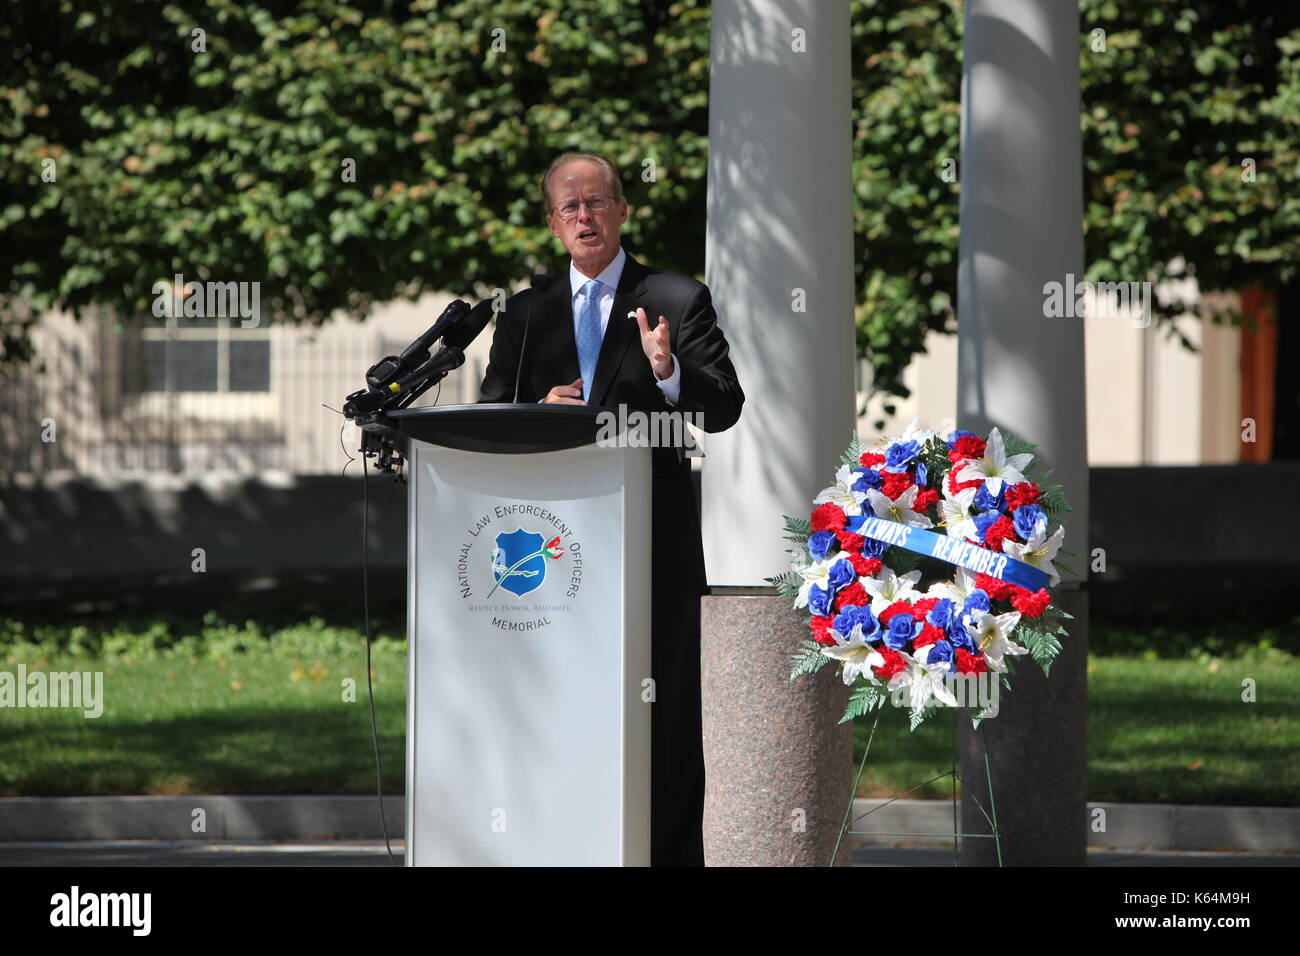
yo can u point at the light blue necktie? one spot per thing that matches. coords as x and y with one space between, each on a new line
589 335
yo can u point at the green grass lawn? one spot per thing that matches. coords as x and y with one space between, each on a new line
1166 731
240 711
259 722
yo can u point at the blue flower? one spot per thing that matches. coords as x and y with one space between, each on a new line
977 601
1027 518
922 476
984 521
940 651
842 574
821 544
867 478
952 439
902 628
819 600
984 501
941 614
900 453
873 548
852 615
958 636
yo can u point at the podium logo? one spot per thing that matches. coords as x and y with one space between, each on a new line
519 561
499 572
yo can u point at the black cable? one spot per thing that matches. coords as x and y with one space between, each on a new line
365 599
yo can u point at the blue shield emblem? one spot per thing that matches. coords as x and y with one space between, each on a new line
518 563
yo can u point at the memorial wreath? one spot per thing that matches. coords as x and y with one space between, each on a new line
926 568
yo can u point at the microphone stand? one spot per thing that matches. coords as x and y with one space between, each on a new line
379 440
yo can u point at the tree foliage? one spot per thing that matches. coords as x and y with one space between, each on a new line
229 162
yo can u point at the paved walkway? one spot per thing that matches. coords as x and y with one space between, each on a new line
372 853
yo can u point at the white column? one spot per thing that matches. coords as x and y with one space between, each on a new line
1022 227
779 263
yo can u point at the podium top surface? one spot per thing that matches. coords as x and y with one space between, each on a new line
505 429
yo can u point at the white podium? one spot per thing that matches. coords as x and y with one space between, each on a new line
528 721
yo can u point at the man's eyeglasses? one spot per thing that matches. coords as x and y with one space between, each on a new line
569 210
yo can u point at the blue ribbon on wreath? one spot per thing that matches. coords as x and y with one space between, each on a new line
955 551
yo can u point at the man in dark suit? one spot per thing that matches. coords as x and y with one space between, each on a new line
590 342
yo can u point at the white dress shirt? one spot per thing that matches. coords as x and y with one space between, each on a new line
670 386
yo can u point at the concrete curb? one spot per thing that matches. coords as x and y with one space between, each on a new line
1118 825
1151 826
198 817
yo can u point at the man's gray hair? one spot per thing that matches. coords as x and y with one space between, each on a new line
612 180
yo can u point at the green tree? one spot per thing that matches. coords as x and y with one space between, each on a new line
229 161
226 153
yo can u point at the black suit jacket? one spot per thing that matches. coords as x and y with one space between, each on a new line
623 375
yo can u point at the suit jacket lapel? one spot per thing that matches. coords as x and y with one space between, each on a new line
621 331
557 347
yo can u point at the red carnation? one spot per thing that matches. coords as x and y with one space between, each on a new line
895 483
926 498
898 607
929 634
820 630
866 567
1023 493
853 594
1032 605
968 446
923 607
968 663
828 517
894 664
871 459
850 541
996 589
1004 529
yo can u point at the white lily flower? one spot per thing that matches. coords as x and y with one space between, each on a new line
856 654
898 509
916 434
990 636
995 467
957 590
955 511
923 680
841 493
1039 551
886 588
818 573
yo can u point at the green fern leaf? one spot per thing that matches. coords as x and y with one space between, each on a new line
809 659
864 699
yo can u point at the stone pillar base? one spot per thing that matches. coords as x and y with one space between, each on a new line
1038 757
778 764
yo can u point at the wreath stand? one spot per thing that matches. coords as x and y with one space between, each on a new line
991 814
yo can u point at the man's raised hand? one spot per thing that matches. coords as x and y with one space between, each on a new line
655 344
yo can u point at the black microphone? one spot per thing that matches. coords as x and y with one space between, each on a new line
539 285
460 330
467 327
390 367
